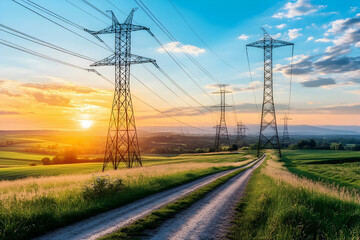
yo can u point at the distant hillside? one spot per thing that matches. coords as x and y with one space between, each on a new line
313 130
253 129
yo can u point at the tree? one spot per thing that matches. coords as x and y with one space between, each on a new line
68 156
233 147
46 161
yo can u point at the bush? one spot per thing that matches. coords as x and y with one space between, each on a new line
101 186
46 161
68 156
233 147
32 164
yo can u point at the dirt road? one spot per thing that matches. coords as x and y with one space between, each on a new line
210 217
110 221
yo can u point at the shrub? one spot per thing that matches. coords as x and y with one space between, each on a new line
233 147
46 161
32 164
100 186
68 156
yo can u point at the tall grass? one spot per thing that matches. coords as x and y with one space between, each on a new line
32 206
334 167
280 205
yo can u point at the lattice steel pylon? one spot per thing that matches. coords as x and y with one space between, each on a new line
122 141
285 142
222 135
240 134
268 127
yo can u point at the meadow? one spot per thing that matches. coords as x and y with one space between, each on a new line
33 205
280 204
19 165
341 168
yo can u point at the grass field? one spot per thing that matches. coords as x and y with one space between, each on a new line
335 167
32 206
14 165
281 205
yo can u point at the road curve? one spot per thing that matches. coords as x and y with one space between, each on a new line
107 222
208 218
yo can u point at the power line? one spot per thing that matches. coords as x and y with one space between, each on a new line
234 108
62 26
26 50
181 67
167 76
43 43
153 92
164 84
85 11
51 13
291 75
252 82
116 7
169 116
201 39
97 9
172 38
181 89
23 49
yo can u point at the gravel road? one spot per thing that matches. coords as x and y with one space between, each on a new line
105 223
210 217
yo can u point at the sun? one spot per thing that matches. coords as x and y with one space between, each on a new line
86 123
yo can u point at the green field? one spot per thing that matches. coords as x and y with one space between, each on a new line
335 167
282 206
14 165
31 206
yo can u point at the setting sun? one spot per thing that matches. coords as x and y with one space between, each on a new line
86 123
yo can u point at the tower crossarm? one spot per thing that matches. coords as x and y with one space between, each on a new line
134 59
257 44
279 43
274 43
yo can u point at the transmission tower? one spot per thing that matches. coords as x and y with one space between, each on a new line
268 127
286 137
240 134
222 135
122 142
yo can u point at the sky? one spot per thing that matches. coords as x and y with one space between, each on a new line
37 93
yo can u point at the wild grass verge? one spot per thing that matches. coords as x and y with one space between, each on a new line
280 205
33 206
159 216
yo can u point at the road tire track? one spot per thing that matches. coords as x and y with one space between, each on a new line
210 217
108 222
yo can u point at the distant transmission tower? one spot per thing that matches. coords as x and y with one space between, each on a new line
122 142
222 135
268 127
240 134
286 137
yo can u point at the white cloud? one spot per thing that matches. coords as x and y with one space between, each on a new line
338 26
243 37
267 26
246 88
353 9
325 40
294 33
281 26
276 35
310 38
297 9
177 47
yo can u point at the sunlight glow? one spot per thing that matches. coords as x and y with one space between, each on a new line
86 123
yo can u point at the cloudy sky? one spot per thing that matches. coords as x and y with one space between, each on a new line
37 93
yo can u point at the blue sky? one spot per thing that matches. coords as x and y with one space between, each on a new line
326 35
